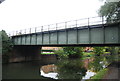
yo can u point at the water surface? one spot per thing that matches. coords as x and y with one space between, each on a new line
57 69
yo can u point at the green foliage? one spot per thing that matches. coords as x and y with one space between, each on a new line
95 66
6 46
99 75
99 50
98 64
114 54
70 52
73 51
87 55
111 10
6 43
60 54
71 69
114 50
48 53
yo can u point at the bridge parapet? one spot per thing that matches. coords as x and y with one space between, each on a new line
64 25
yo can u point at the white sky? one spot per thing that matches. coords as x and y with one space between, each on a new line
22 14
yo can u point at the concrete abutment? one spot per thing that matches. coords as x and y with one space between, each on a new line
25 53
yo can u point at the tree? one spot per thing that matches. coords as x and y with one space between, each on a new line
114 50
6 45
110 10
60 54
99 50
73 52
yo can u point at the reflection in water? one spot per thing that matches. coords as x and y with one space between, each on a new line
67 69
60 69
74 68
49 71
64 69
51 75
71 69
49 68
89 74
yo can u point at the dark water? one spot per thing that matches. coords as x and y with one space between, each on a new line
56 69
24 70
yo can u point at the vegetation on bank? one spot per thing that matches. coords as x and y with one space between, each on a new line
79 52
99 75
73 52
100 56
99 50
7 46
61 54
70 52
47 51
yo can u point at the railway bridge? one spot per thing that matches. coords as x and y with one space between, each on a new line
83 32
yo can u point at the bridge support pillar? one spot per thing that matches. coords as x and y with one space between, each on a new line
25 53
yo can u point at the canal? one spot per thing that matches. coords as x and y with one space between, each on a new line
55 69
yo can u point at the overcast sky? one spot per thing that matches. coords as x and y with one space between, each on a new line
21 14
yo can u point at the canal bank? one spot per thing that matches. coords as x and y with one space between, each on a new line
113 71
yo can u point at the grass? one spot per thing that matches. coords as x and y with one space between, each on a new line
99 75
106 52
87 55
48 53
43 51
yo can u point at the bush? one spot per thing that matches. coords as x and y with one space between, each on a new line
6 46
99 50
73 52
60 54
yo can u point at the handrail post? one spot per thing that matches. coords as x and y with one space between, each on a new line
103 29
56 26
13 33
35 29
89 32
65 25
30 30
41 28
102 20
16 32
25 31
88 21
48 27
76 23
20 32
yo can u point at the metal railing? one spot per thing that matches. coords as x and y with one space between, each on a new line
62 25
